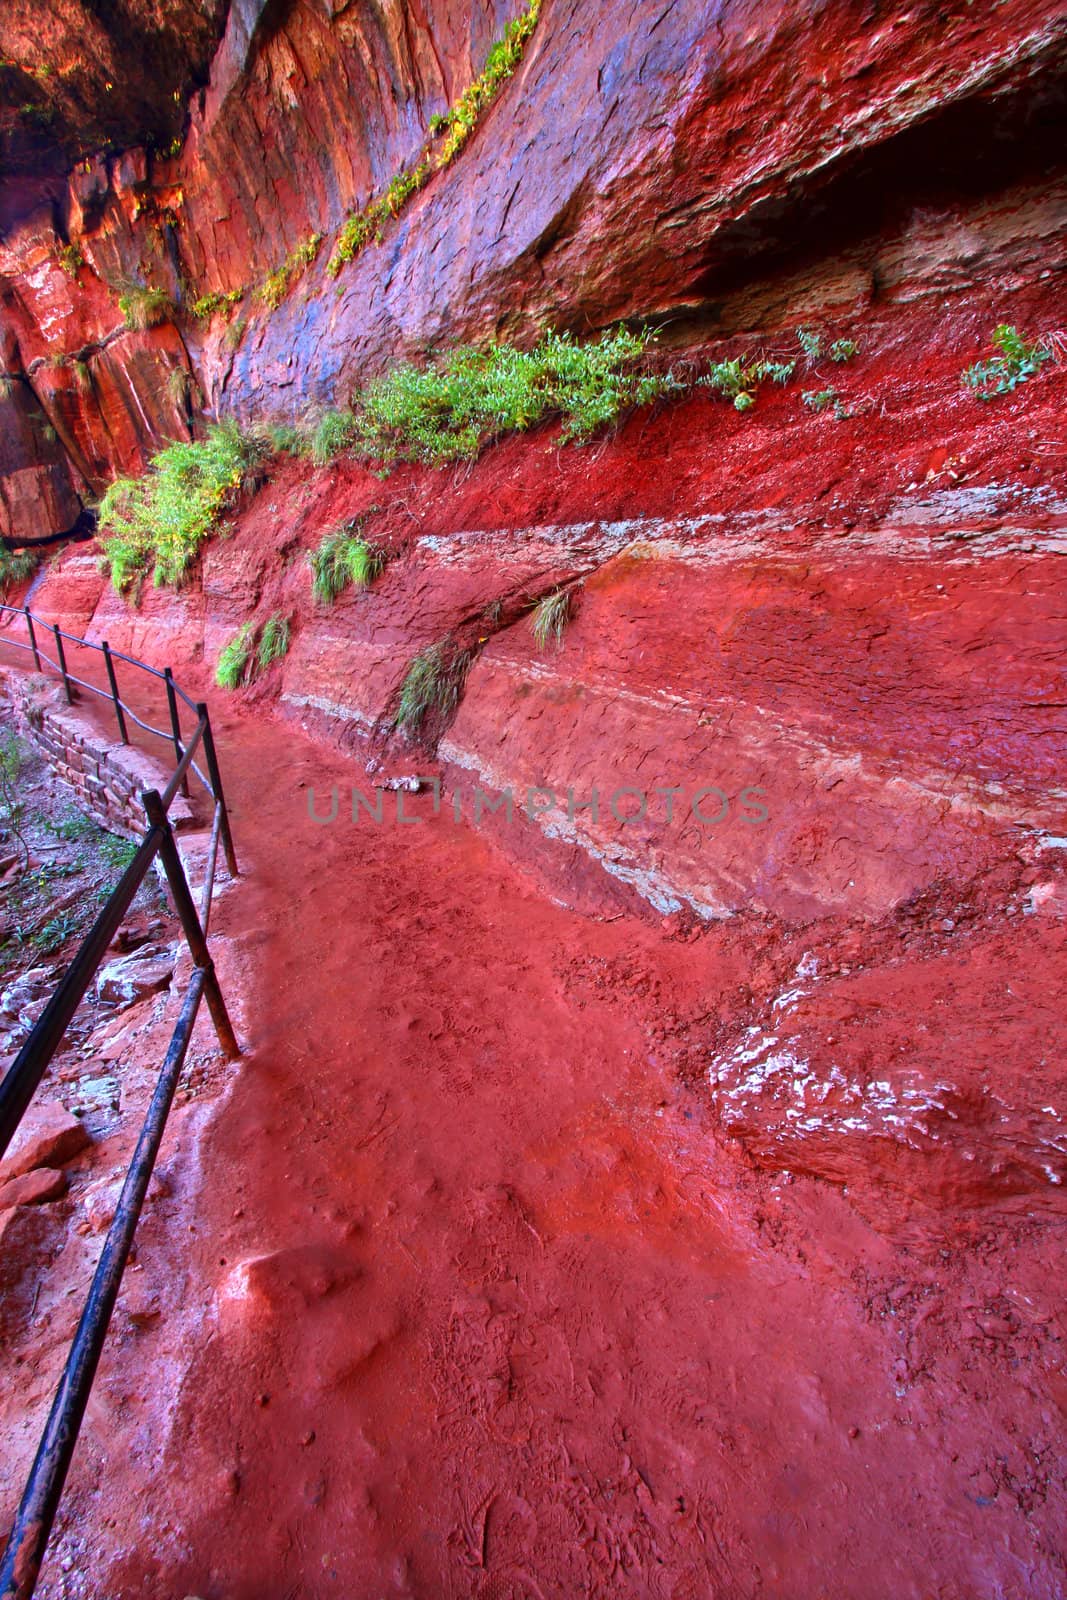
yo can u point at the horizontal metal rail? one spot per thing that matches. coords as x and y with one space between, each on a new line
89 644
25 1549
124 712
26 1071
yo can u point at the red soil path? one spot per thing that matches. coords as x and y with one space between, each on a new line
463 1297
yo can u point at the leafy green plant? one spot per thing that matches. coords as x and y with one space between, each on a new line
70 259
117 853
810 342
740 378
433 683
825 400
448 410
143 308
218 300
1017 361
274 288
16 566
550 618
456 125
233 662
73 827
161 519
343 558
55 932
843 350
273 641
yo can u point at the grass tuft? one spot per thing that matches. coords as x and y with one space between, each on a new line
550 618
344 559
233 662
16 566
144 308
160 520
433 683
1017 361
273 641
335 433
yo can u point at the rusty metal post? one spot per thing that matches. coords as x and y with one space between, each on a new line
175 723
61 658
216 789
190 921
120 719
33 637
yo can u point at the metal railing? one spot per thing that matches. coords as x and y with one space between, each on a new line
25 1549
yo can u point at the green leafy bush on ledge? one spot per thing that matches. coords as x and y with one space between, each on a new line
159 521
448 410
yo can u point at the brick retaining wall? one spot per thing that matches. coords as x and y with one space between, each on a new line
108 778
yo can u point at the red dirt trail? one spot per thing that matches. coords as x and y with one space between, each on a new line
464 1298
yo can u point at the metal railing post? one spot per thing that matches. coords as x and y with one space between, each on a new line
120 719
216 788
33 638
61 658
172 702
190 921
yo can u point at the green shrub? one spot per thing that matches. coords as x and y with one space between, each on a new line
810 342
284 438
233 661
143 308
13 817
274 288
343 559
273 641
16 566
70 259
448 410
825 400
1016 362
433 683
218 300
161 519
550 617
740 378
843 350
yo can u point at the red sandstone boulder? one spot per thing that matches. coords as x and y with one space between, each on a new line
47 1137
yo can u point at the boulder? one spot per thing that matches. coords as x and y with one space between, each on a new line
33 1188
142 972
